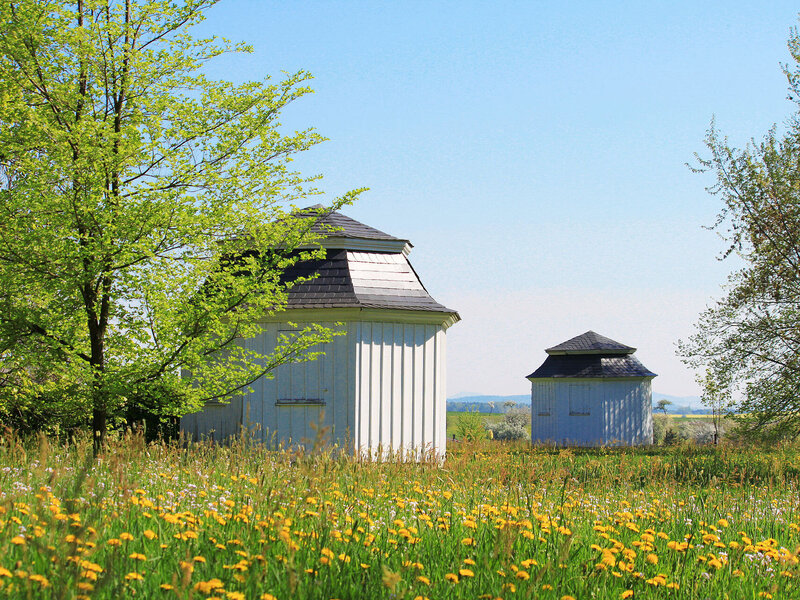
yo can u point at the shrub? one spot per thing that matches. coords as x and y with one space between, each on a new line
513 426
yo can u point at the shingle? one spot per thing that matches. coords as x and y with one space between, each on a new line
590 342
591 366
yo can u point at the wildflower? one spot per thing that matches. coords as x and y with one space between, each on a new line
134 576
567 597
137 556
199 559
652 559
268 597
466 573
85 586
523 575
113 542
451 577
150 534
390 579
626 594
40 579
510 587
421 598
208 587
125 536
18 540
468 541
4 572
423 579
166 586
235 595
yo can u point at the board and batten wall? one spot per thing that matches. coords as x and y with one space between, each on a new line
379 387
581 412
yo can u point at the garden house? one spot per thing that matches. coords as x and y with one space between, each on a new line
381 386
591 391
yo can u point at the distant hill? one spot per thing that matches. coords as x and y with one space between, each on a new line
468 402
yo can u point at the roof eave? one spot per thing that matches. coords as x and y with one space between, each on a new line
363 244
553 352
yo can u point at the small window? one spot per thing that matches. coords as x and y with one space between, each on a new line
579 394
543 413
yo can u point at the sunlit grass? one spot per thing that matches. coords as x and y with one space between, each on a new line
495 520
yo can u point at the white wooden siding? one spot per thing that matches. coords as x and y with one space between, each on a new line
382 385
591 412
400 400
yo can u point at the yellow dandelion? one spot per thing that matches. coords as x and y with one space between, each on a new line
85 586
523 575
125 536
423 579
235 595
5 572
114 542
166 586
208 587
40 579
150 534
134 576
268 597
466 573
137 556
652 559
18 540
451 577
626 594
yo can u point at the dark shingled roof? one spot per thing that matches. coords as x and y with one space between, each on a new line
590 343
335 224
591 366
359 279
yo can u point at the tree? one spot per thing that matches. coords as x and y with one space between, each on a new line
146 212
748 343
662 405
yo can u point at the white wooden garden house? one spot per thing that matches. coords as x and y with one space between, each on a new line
591 391
381 386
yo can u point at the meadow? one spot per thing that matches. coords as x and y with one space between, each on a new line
492 521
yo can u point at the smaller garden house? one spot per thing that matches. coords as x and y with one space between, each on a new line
591 391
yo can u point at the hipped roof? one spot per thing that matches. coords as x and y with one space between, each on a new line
591 356
357 274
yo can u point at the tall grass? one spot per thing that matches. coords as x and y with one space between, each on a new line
495 520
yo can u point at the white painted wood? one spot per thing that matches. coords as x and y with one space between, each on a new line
588 412
381 387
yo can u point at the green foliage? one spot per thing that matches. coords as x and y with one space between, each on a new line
514 425
196 520
146 212
470 427
748 343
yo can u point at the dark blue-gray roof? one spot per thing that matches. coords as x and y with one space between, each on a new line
592 366
335 224
591 356
354 276
590 343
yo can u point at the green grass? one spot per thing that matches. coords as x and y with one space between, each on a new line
494 520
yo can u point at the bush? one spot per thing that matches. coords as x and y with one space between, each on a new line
469 427
514 425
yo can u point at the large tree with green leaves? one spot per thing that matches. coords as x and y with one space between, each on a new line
748 343
145 210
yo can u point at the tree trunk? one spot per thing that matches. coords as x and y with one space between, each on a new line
99 417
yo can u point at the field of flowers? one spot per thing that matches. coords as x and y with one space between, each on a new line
494 521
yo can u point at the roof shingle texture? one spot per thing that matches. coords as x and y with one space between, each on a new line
591 366
354 279
590 342
335 224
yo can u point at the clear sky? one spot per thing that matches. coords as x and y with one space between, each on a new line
533 152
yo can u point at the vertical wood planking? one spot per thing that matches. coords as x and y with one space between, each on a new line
407 387
396 384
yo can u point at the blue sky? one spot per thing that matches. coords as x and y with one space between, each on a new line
533 152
